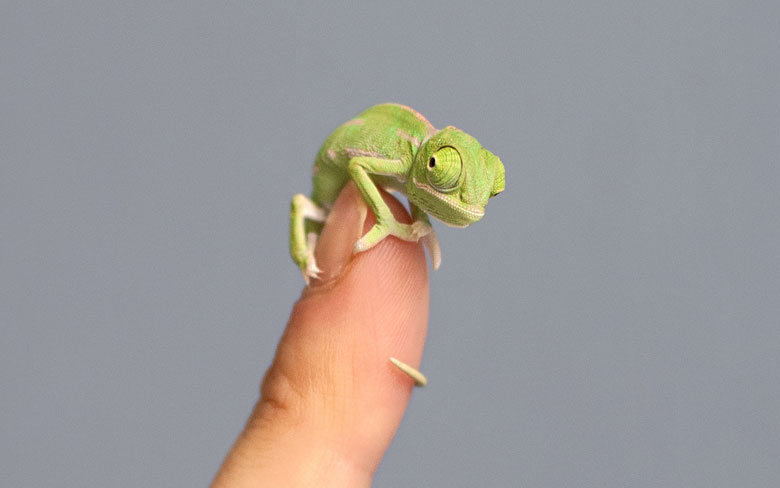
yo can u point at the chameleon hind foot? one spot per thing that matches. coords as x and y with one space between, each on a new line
310 269
419 378
306 220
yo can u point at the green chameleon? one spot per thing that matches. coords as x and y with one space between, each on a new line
445 173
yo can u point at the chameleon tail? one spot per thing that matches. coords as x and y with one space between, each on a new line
419 378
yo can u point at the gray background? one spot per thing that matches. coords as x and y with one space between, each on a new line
613 321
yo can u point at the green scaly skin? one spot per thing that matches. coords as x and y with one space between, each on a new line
445 173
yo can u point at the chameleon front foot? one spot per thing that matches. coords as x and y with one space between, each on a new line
371 239
406 232
418 230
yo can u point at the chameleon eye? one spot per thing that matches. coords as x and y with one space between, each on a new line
444 168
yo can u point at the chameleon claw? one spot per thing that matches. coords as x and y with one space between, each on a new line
424 231
419 378
431 242
306 278
311 270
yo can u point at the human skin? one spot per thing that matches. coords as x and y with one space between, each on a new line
331 402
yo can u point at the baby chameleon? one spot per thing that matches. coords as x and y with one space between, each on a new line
445 173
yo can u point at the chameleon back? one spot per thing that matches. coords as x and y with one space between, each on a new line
387 131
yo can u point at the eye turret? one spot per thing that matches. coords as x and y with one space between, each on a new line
444 168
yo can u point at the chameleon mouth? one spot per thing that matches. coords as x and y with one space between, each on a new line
471 212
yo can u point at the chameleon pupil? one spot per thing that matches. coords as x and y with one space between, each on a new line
432 163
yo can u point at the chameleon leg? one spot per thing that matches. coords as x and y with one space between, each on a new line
359 168
305 215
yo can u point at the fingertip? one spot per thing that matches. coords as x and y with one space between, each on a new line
342 228
331 397
347 221
368 307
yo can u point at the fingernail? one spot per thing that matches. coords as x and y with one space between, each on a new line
342 229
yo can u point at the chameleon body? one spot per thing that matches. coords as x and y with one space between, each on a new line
444 173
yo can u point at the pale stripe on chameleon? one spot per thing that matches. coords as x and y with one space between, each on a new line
412 139
421 117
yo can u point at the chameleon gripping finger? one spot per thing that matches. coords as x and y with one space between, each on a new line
445 174
419 378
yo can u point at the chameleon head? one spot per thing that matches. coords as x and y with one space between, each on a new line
453 177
